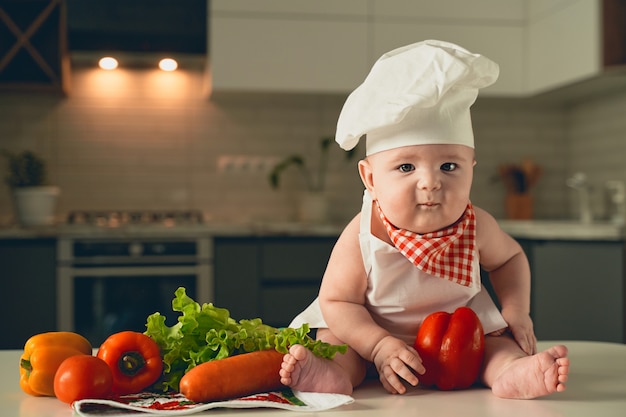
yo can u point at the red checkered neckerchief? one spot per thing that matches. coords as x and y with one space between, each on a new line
446 253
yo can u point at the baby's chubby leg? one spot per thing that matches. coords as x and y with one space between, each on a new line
511 373
304 371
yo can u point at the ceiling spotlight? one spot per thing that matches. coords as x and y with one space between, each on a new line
168 64
107 63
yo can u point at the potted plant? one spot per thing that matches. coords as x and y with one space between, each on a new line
35 200
313 205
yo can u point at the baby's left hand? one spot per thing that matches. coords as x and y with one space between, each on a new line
521 326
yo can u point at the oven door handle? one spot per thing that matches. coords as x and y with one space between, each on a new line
133 271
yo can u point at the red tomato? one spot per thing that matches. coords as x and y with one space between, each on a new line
82 376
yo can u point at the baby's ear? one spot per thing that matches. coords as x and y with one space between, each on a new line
367 176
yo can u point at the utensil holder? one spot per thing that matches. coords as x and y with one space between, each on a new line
519 206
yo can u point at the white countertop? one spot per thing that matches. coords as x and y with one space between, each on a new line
562 230
521 229
596 388
192 230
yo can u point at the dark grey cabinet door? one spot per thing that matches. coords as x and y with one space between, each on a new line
28 282
236 265
578 290
273 278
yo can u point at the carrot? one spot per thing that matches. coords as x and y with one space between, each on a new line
233 377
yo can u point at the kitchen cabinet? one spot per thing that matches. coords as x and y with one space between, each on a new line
27 274
34 52
614 33
298 46
493 28
287 46
273 278
563 42
571 41
578 289
330 46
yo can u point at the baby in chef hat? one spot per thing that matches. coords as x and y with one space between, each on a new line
418 243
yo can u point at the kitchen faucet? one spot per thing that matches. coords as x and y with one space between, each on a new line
578 181
616 194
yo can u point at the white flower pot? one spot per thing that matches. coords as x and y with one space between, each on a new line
36 206
313 207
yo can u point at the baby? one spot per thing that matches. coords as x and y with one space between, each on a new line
418 243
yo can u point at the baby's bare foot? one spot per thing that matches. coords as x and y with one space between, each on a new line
303 371
534 376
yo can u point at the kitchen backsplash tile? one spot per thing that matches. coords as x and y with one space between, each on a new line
597 134
138 150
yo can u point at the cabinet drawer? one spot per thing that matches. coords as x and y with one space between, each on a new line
295 259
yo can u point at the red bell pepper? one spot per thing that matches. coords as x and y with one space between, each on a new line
451 347
135 360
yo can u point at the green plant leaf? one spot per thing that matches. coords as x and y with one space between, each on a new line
315 181
274 175
26 169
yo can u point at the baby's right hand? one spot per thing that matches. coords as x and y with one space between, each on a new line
393 359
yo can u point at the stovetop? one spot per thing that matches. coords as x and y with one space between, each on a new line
119 218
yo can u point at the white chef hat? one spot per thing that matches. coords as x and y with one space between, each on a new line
415 95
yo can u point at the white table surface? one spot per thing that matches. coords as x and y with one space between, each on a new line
596 388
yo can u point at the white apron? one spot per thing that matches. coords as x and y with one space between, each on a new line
399 295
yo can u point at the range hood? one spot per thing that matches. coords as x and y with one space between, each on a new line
38 36
137 26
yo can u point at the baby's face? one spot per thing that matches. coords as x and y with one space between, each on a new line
422 188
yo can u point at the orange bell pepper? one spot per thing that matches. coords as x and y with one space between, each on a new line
451 347
43 353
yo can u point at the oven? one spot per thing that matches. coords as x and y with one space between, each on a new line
110 284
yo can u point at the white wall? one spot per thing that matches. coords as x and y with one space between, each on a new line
154 144
133 141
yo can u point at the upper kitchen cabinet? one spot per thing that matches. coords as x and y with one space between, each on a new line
563 42
614 33
33 45
329 46
494 28
288 45
570 41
